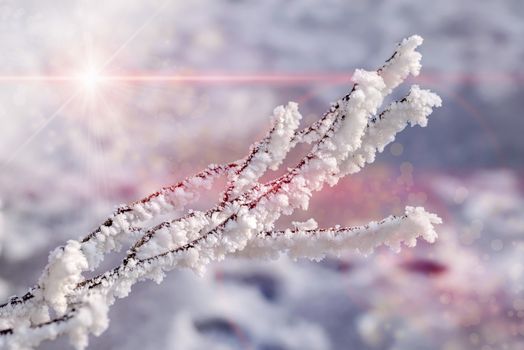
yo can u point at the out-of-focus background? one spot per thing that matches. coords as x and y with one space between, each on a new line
71 150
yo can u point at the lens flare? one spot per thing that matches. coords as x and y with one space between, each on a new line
90 79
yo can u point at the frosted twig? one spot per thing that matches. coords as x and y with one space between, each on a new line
342 142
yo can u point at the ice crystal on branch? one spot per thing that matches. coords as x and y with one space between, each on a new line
343 141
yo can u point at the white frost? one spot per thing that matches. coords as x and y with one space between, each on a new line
342 142
62 274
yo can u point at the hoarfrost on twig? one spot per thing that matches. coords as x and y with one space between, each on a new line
342 142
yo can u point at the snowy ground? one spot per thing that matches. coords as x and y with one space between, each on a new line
67 160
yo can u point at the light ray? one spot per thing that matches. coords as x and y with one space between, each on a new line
132 37
42 126
91 76
37 78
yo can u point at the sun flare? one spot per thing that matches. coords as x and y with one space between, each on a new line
90 79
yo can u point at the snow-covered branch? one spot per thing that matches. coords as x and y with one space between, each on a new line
242 223
305 240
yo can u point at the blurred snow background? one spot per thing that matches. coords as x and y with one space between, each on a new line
68 158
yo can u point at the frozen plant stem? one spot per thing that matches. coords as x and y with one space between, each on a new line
342 141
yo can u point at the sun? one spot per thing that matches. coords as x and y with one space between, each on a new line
90 79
